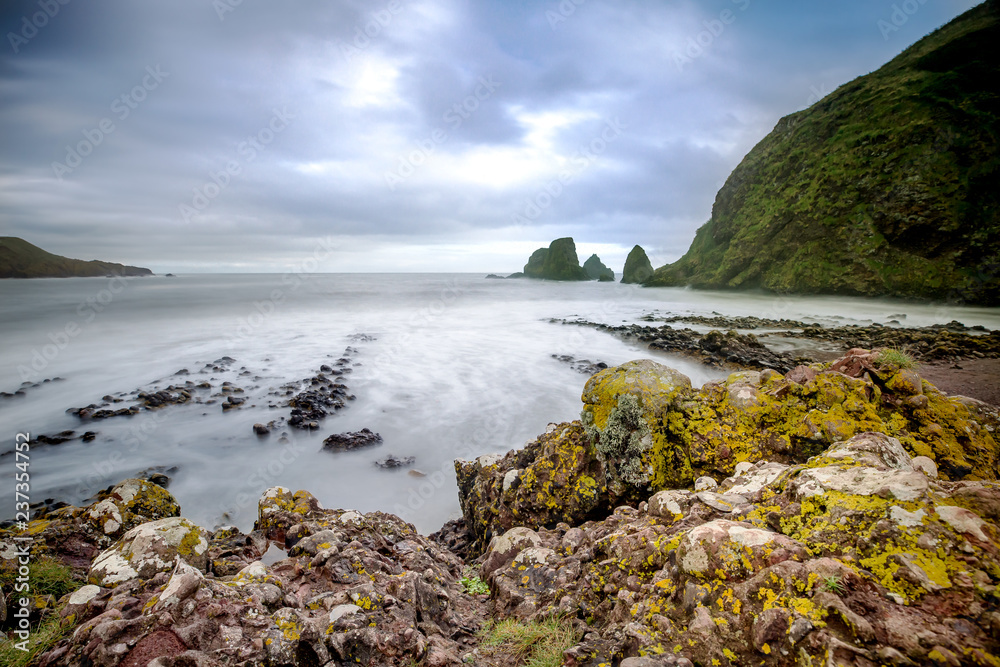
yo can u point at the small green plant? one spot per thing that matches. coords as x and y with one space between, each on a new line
472 584
833 584
891 356
536 644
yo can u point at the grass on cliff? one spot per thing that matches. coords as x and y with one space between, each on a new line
46 577
43 637
536 644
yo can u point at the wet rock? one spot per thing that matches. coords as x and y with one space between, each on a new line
343 442
556 477
393 461
261 429
623 412
585 366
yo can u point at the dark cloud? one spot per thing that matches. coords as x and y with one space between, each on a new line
219 135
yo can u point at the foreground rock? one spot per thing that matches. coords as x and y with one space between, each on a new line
75 535
857 557
354 589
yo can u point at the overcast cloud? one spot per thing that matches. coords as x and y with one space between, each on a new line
417 135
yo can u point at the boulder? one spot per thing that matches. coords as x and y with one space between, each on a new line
557 477
129 504
149 548
345 442
626 415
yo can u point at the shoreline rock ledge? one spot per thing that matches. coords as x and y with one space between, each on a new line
841 513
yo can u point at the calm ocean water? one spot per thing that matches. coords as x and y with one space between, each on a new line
447 366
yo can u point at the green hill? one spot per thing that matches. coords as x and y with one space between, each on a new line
20 259
890 186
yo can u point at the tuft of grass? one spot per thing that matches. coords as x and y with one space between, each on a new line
43 637
46 577
891 356
535 644
472 584
833 584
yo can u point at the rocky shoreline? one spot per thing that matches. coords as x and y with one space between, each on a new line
836 513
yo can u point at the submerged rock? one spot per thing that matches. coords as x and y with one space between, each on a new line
393 461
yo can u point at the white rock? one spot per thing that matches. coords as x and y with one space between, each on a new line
962 520
872 449
902 517
755 479
925 465
487 460
534 556
509 478
342 610
705 484
84 594
861 481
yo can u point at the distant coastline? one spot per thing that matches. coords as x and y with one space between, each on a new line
20 259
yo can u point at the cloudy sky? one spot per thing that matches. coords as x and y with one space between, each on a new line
409 135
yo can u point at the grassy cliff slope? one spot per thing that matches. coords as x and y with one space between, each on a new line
889 186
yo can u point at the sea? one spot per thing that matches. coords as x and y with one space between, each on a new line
442 366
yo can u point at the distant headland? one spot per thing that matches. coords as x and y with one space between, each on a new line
20 259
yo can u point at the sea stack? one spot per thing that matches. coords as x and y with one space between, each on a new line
557 262
597 271
637 267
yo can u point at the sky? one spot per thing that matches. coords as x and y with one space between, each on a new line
403 135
